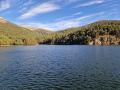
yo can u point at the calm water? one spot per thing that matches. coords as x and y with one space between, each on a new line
60 68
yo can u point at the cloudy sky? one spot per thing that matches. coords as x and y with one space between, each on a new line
58 14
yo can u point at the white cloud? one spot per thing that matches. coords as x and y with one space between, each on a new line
78 13
93 2
79 18
41 25
91 15
40 9
56 25
4 5
67 17
64 24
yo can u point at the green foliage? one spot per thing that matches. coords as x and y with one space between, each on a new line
11 34
84 34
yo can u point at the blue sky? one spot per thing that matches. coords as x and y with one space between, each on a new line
59 14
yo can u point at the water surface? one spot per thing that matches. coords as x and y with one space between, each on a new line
49 67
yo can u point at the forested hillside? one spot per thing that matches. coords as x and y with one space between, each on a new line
106 32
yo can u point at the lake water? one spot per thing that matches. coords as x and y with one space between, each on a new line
50 67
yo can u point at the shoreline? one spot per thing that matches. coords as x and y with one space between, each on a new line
55 45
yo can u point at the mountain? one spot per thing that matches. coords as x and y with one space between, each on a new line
39 30
104 32
12 34
2 20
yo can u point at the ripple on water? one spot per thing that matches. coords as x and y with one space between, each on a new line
60 68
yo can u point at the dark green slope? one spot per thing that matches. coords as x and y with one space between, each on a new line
106 32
